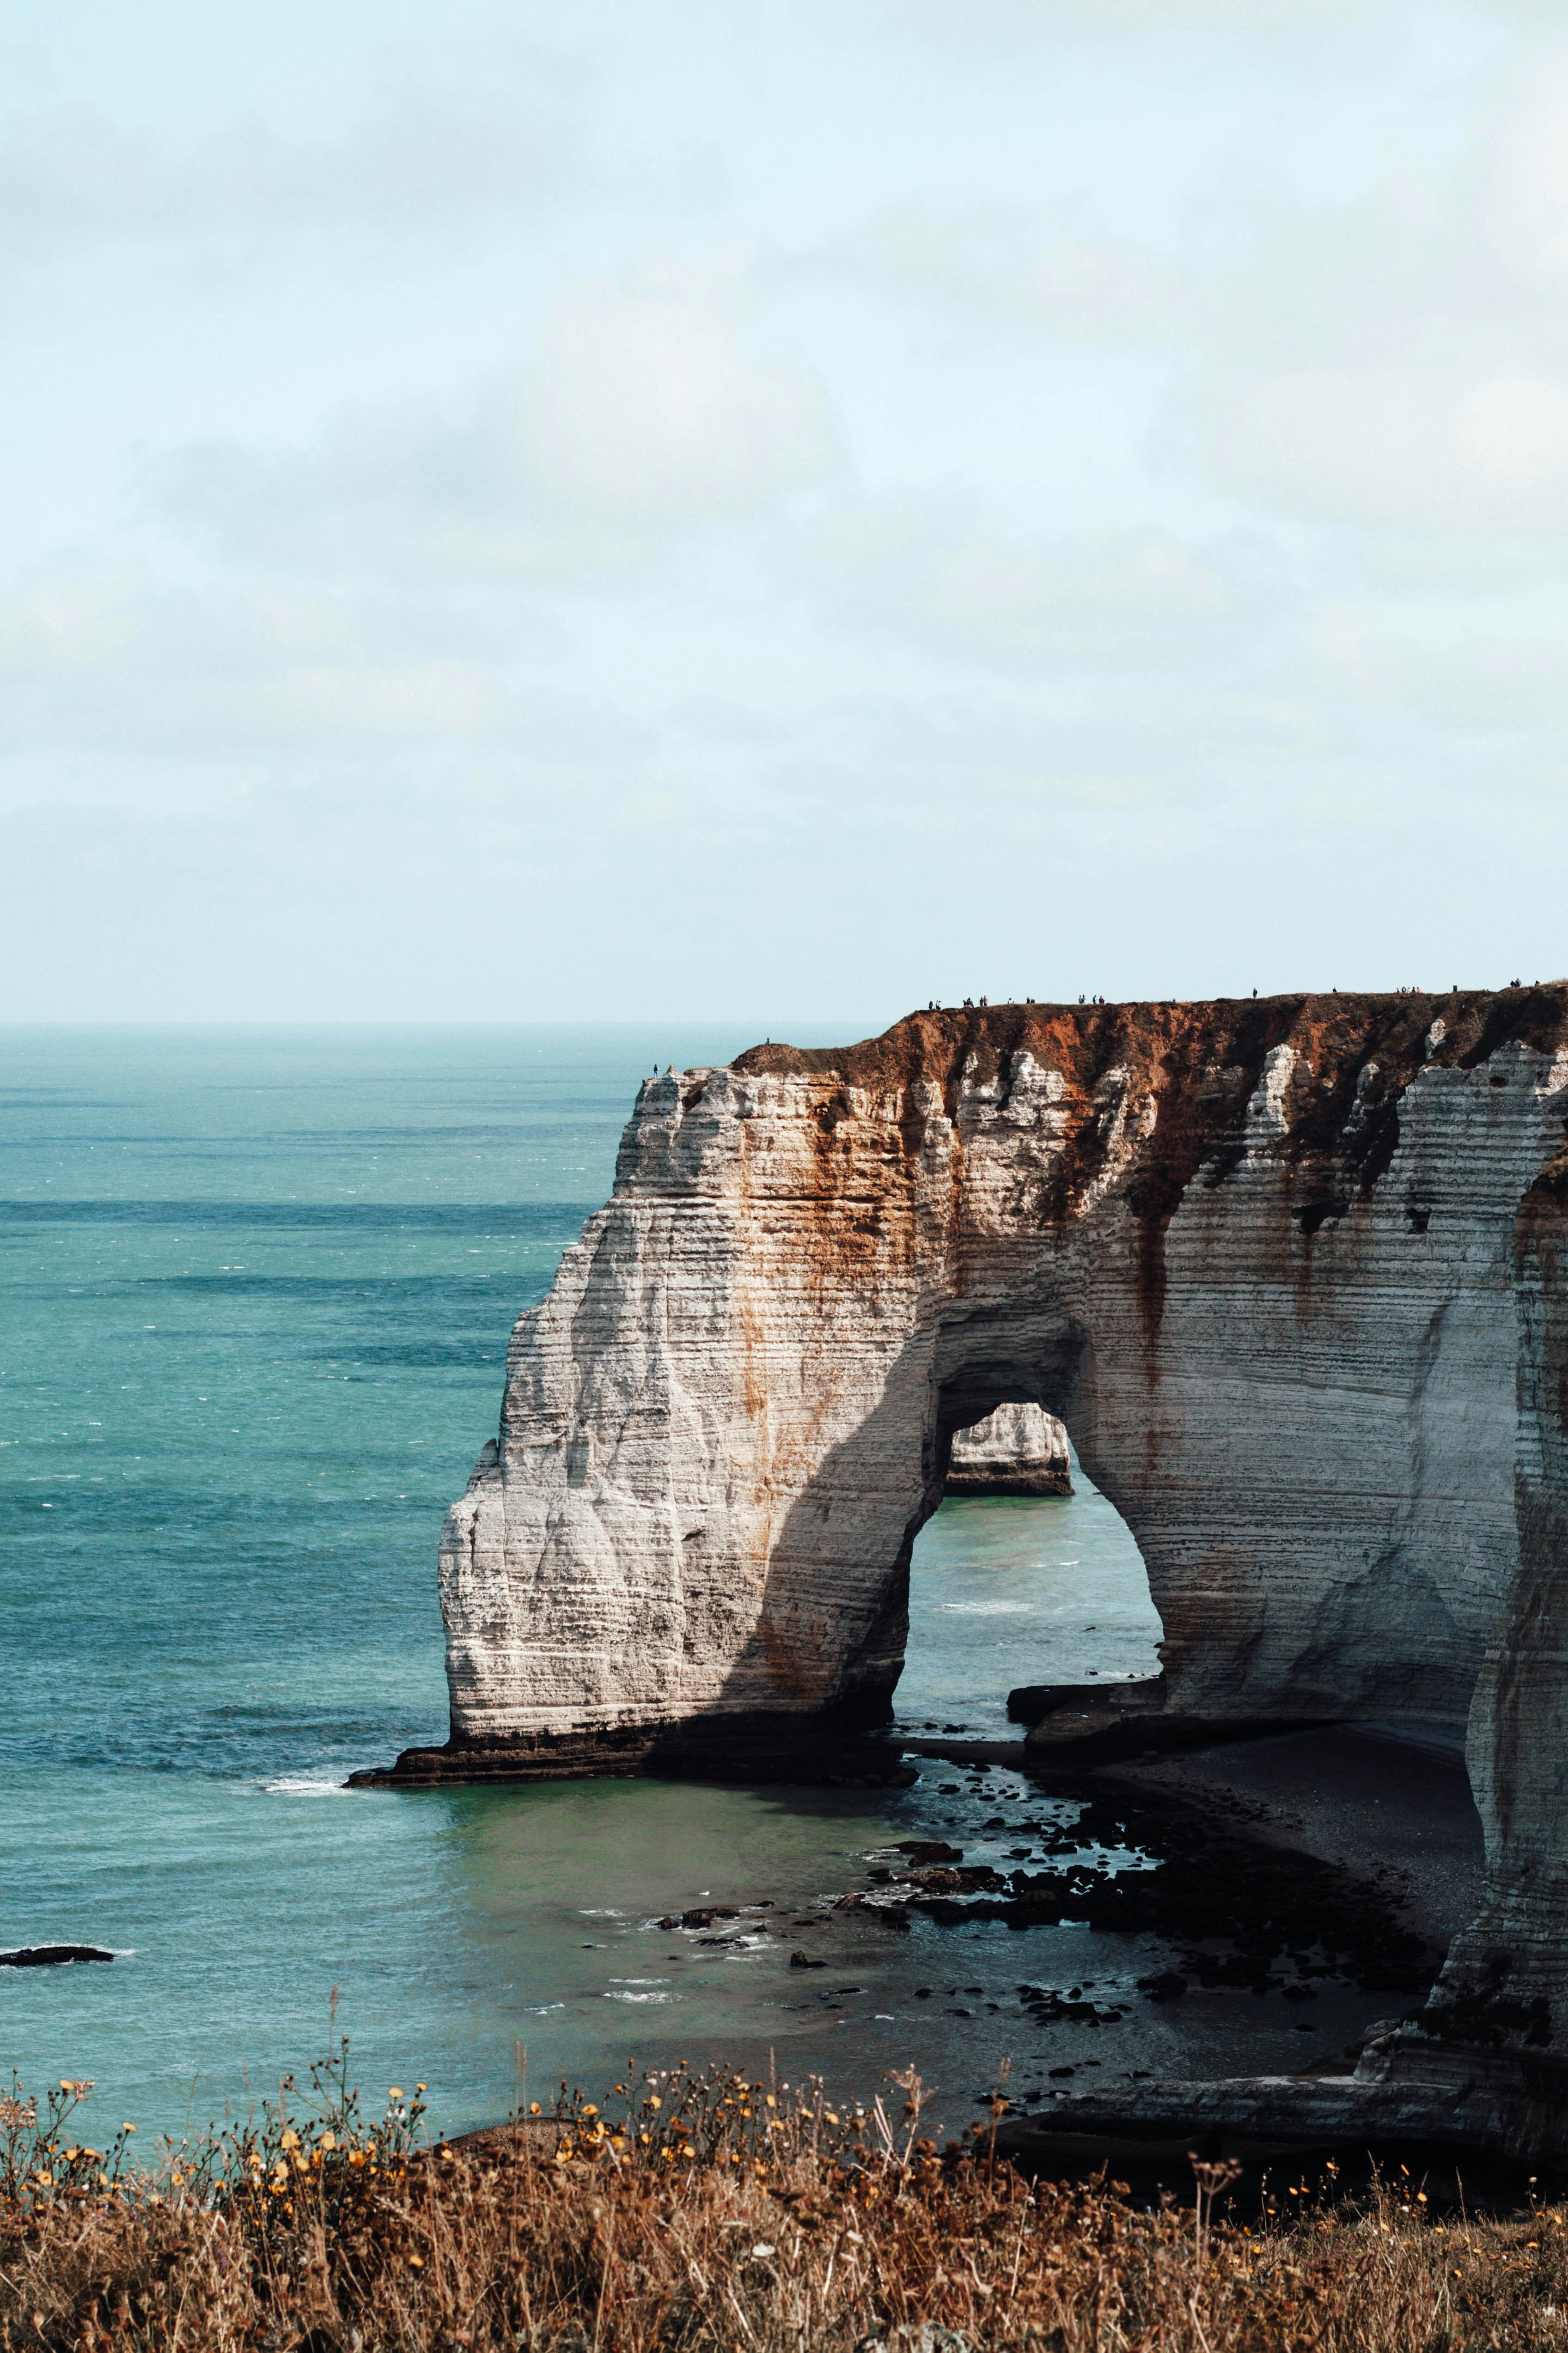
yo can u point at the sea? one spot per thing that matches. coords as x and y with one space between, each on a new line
255 1287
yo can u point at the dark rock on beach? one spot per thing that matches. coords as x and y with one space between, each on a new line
1235 1911
1170 1986
49 1957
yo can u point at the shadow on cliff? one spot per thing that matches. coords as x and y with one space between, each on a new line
819 1673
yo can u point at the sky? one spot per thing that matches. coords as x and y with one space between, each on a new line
780 509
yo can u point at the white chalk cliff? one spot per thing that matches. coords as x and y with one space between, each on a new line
1019 1449
1291 1272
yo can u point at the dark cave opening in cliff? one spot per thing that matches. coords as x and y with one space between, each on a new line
1011 1589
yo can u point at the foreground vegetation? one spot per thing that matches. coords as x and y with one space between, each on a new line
705 2212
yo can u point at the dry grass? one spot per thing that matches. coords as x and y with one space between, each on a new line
704 2211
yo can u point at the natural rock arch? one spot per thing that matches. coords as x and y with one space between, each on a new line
1289 1271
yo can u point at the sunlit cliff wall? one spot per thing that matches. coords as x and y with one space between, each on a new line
1260 1257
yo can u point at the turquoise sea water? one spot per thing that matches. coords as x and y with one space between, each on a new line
255 1294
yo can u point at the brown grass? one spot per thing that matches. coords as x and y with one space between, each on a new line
705 2212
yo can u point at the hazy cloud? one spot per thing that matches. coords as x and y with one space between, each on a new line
66 623
646 404
410 165
1075 283
1104 600
646 407
821 505
429 698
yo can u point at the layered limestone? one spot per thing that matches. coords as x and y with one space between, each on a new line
1261 1258
1291 1272
1019 1449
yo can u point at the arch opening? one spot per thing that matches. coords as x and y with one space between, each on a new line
1024 1575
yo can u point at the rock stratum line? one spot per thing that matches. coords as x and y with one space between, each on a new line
1293 1273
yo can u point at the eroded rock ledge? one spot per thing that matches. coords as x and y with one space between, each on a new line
1291 1272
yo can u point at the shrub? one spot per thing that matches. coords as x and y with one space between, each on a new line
704 2210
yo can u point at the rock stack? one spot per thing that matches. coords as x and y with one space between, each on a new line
1019 1449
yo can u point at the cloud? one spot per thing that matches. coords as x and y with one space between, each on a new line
1249 30
648 405
1396 360
1389 445
1256 21
1257 17
367 494
1026 599
126 662
1511 433
1476 667
74 172
654 807
69 622
1109 598
1077 284
1402 360
645 409
551 552
421 698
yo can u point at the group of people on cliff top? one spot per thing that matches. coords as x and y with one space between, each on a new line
933 1004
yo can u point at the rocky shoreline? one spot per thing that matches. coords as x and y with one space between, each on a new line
1114 1935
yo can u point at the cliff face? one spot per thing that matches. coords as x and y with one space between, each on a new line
1260 1257
1019 1449
1293 1273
